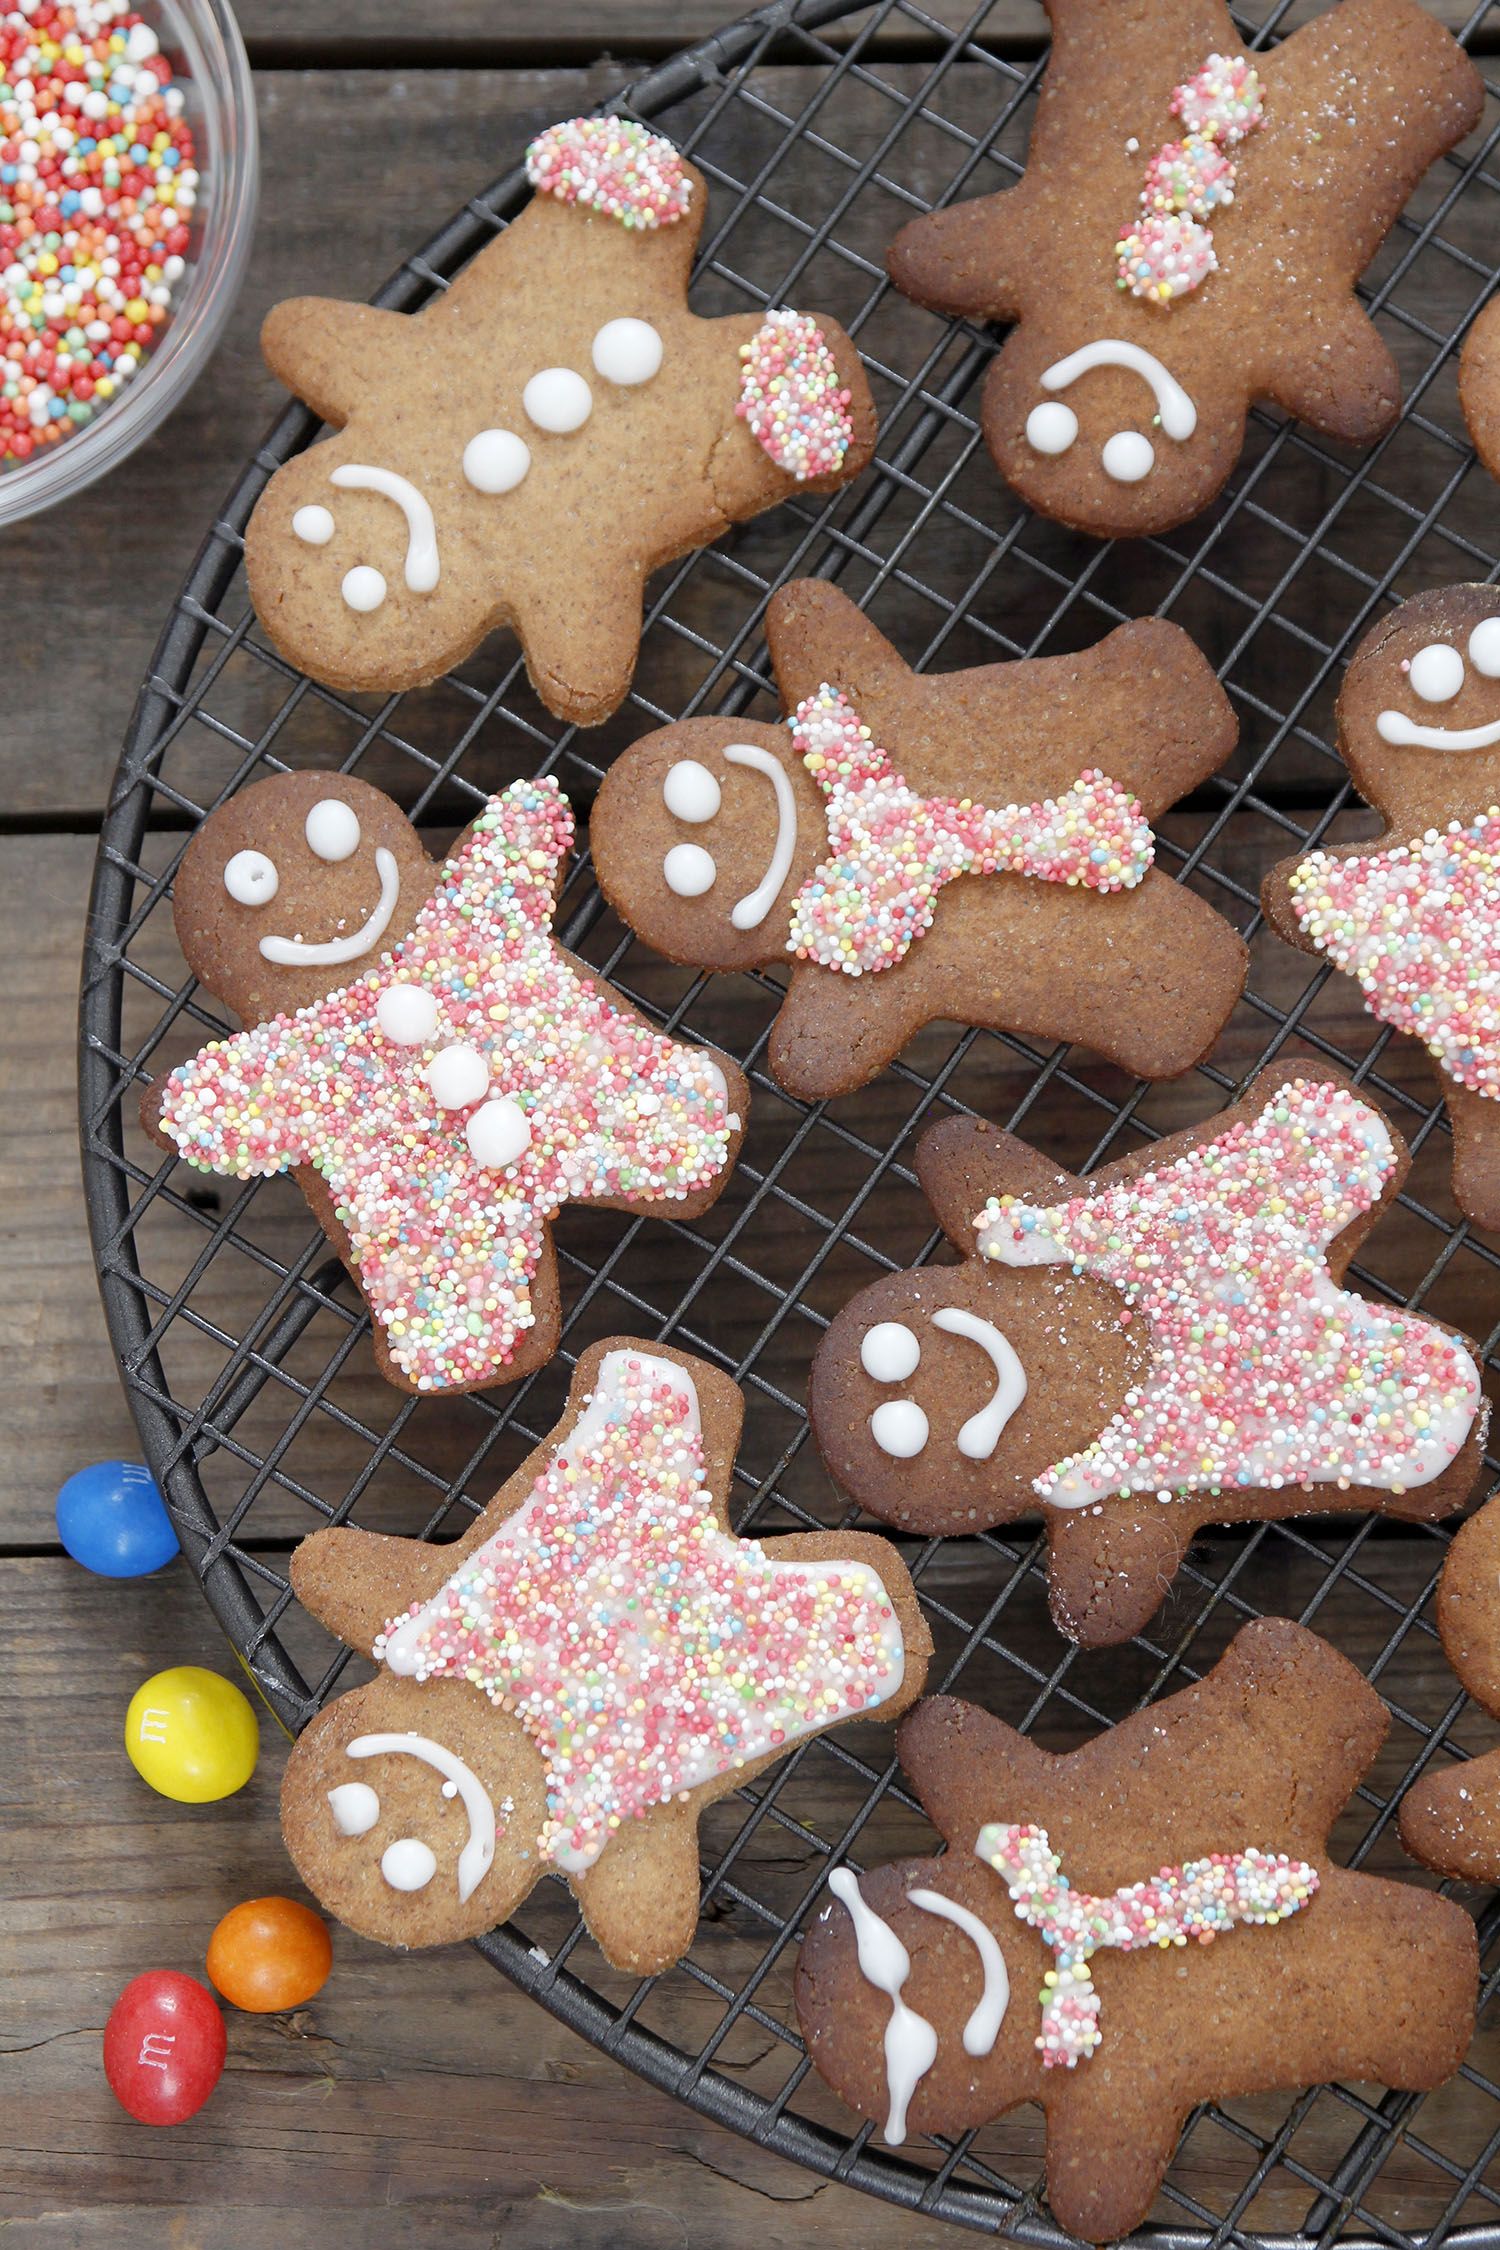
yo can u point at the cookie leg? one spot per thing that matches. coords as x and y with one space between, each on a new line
836 1032
1476 1154
1156 998
1109 1569
580 652
355 1582
640 1898
1451 1821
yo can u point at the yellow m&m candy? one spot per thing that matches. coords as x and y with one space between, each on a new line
191 1735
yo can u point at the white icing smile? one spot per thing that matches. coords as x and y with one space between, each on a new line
422 568
1128 456
289 952
413 1863
890 1352
1435 675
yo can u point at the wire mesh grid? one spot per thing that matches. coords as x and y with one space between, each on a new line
243 1347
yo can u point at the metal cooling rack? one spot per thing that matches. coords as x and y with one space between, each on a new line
245 1352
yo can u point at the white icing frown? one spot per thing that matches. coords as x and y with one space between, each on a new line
1128 456
692 794
890 1352
1435 675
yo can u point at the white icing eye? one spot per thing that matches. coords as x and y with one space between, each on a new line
689 870
458 1076
251 879
1127 457
363 588
627 352
690 792
1437 672
889 1352
497 1133
355 1808
1051 427
408 1864
496 460
899 1428
313 526
1484 647
332 829
407 1014
558 400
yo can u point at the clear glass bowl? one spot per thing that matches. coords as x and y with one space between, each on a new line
203 42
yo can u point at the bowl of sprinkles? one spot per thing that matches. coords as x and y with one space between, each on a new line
128 177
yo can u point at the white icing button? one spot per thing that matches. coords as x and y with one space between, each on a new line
355 1808
1437 672
251 879
558 400
496 460
332 829
313 525
889 1352
363 588
407 1014
458 1076
408 1864
691 793
899 1428
689 870
627 352
1127 457
1484 647
1051 427
497 1133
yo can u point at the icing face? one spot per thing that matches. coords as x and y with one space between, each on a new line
1435 676
287 952
692 794
890 1353
332 834
1128 456
409 1864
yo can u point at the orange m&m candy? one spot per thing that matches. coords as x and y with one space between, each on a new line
269 1954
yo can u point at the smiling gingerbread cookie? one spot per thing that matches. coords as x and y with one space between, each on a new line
1414 914
1185 239
541 436
1165 1345
974 846
437 1072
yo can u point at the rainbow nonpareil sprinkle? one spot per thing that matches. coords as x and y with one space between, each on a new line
1168 251
444 1238
1419 926
613 166
1199 1901
792 399
891 851
1262 1372
644 1649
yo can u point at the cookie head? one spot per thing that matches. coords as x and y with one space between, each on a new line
1419 712
702 835
293 887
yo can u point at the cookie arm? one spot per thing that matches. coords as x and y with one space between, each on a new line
325 350
234 1106
968 1767
1334 373
816 635
836 1032
962 1162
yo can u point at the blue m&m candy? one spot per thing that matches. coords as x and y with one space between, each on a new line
113 1520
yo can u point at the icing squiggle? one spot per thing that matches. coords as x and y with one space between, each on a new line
478 1854
1168 251
422 567
911 2044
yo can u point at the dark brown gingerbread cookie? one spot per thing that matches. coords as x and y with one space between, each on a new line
1414 914
1185 239
1450 1820
973 846
567 1687
1165 1345
550 429
1479 385
1203 1816
440 1076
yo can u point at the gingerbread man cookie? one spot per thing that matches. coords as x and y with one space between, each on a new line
526 449
1414 914
1150 1922
567 1687
439 1074
1450 1819
973 846
1185 239
1166 1345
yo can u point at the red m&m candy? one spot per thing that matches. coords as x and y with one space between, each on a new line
163 2047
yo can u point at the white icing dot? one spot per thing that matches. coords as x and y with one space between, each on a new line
407 1014
363 588
899 1428
251 879
458 1076
497 1133
355 1808
1484 647
408 1864
1437 672
691 793
627 352
496 460
313 525
689 870
889 1352
1051 427
1128 456
332 829
558 400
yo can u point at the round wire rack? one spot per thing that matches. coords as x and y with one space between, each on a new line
245 1351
